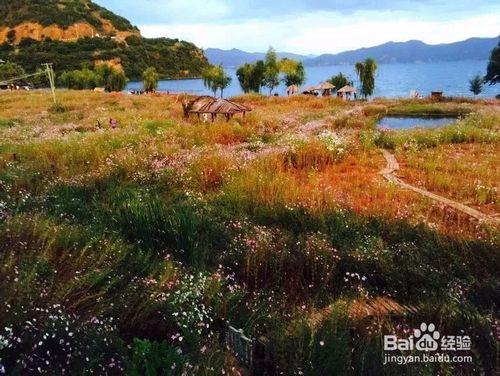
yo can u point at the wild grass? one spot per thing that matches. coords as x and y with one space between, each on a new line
141 241
466 172
7 123
429 107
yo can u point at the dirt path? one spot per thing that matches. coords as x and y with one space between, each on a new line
393 166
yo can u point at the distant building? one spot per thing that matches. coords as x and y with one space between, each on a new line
346 92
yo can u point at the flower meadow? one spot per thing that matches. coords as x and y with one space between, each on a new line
127 251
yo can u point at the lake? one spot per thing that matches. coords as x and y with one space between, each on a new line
393 80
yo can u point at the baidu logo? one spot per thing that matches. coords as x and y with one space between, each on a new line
426 337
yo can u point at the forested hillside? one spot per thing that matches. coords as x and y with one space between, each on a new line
77 33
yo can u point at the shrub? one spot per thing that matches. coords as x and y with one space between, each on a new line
58 108
7 123
328 148
303 264
155 358
191 309
292 347
384 140
374 109
210 172
10 70
331 344
86 79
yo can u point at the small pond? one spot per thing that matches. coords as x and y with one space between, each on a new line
402 122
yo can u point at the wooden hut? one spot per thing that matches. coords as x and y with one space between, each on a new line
292 89
310 90
346 92
437 95
213 107
325 88
196 104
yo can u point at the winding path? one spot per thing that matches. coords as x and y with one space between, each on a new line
393 166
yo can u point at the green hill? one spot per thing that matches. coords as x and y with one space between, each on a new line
63 13
76 33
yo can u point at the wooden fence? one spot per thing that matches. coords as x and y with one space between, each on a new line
254 354
239 345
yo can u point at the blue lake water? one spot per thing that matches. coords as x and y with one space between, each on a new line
392 80
400 122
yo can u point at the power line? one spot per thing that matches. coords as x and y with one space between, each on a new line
14 79
49 72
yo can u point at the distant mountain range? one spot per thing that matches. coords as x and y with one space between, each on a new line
412 51
234 58
392 52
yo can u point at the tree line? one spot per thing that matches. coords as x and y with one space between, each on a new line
272 71
269 73
252 77
111 79
105 76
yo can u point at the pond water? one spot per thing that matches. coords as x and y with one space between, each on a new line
401 122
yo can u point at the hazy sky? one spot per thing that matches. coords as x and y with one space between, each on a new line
310 26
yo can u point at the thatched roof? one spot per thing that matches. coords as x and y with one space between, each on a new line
325 86
347 89
199 102
219 106
310 88
292 88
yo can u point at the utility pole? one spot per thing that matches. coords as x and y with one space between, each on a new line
50 75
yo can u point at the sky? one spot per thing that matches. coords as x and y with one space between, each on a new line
310 26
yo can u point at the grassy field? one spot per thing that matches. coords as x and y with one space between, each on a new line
125 250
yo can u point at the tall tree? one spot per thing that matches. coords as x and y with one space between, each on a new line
104 71
150 80
271 71
340 80
258 75
294 72
113 79
10 70
215 78
366 72
251 76
209 76
117 81
224 80
493 70
476 84
41 79
244 74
